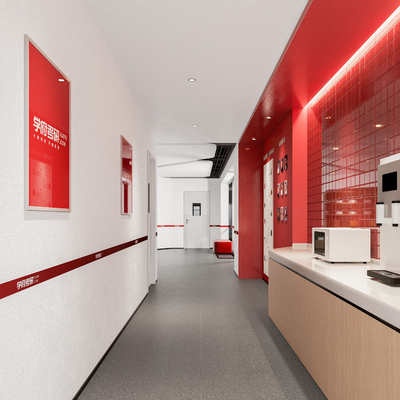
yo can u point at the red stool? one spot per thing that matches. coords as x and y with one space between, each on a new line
222 246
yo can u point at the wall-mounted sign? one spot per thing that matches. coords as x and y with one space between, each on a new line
268 154
47 133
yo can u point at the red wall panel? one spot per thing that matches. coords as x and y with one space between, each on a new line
282 228
250 211
352 125
299 175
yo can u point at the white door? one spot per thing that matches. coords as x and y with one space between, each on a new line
197 220
151 221
268 211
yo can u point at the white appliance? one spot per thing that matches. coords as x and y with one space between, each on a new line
387 211
342 244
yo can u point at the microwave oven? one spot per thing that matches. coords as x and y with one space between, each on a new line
342 244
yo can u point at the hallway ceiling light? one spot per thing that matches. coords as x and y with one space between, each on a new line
253 138
194 125
61 80
378 126
269 117
192 80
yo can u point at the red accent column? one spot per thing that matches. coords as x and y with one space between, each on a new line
299 175
250 210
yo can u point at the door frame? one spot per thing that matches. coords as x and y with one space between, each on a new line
151 221
185 245
268 238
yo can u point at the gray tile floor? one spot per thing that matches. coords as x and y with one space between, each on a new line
201 334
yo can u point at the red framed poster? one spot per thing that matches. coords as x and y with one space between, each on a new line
47 133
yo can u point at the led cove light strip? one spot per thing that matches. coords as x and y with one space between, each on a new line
360 52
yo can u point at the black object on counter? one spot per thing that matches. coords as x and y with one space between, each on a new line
388 277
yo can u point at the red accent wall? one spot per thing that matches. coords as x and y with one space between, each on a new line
250 210
282 228
352 125
299 175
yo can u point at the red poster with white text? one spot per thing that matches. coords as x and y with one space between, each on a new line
48 134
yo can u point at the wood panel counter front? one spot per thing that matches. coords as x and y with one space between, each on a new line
350 352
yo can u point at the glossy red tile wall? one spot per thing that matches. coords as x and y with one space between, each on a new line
352 124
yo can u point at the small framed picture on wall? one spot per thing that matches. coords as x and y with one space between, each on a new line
286 187
126 176
278 189
278 214
279 168
286 162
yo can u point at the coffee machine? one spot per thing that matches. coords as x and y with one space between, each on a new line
388 218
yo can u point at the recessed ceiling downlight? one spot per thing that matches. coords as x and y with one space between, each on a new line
194 125
192 79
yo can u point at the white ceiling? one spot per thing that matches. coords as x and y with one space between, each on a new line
231 48
182 153
185 160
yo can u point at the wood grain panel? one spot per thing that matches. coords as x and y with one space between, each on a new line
393 364
344 349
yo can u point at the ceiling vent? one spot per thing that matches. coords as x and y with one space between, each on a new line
222 154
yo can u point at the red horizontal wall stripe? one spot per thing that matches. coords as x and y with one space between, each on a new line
169 226
28 281
181 226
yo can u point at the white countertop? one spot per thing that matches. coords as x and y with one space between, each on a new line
347 280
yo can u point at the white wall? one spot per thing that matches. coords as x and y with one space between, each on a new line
170 208
224 187
53 334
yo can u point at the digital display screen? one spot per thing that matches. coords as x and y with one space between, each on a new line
389 182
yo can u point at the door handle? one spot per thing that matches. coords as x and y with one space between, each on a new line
187 220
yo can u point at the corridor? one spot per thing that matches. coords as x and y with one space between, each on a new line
200 334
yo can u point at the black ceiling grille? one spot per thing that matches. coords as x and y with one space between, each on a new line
222 154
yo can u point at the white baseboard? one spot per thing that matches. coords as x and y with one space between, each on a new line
301 246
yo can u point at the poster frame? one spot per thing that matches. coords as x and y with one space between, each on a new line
27 206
